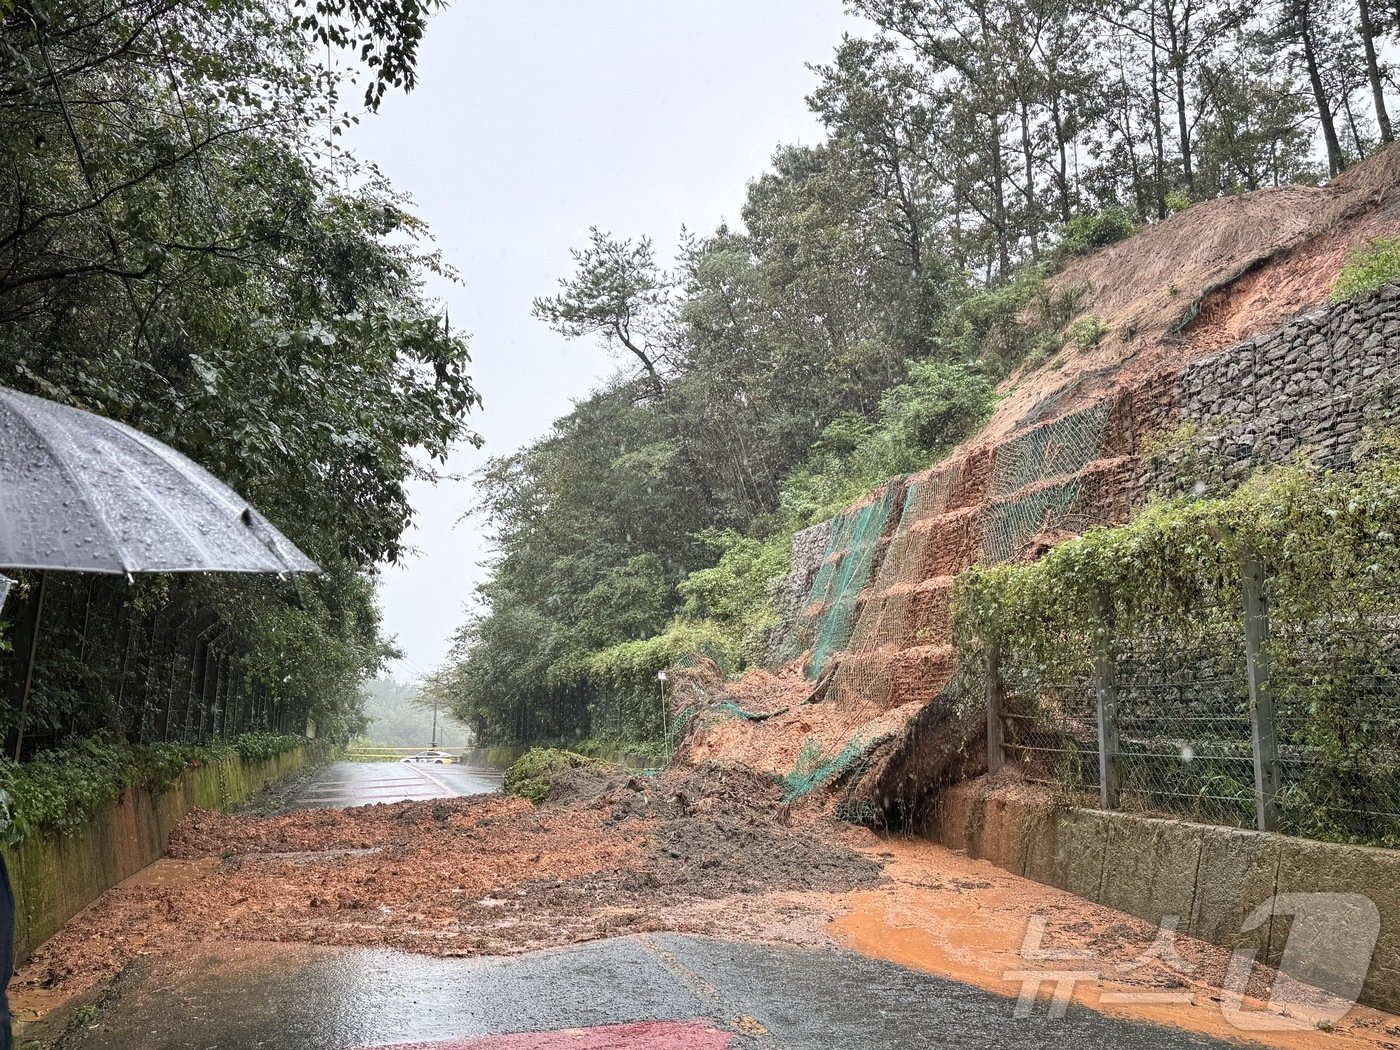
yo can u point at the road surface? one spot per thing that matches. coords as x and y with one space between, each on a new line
654 992
343 784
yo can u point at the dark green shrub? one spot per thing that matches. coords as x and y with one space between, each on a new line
1090 230
530 774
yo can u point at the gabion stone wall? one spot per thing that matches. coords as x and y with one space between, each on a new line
789 593
1310 387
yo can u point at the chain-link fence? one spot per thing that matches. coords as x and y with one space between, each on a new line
1277 706
1335 685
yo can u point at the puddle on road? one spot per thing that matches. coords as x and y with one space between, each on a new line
949 915
169 872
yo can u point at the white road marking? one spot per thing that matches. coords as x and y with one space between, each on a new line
451 791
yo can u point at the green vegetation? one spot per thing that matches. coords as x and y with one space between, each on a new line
259 747
186 252
1086 332
855 321
1367 270
1170 581
594 595
1087 231
529 776
58 791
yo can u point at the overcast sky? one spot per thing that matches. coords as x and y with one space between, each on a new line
531 122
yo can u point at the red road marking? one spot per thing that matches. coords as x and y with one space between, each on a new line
648 1035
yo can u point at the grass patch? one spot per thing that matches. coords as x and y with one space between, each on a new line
530 774
1367 270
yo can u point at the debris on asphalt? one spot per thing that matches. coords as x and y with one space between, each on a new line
612 853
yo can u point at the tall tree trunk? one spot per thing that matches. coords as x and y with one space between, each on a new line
1373 73
1062 167
1159 158
1336 159
999 195
1353 127
1178 39
1139 193
910 207
1183 126
657 386
1032 218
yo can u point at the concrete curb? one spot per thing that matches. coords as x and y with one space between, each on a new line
1212 878
55 877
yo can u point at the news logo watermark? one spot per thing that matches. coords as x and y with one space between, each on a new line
1324 941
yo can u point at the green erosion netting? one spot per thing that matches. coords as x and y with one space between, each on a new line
1052 450
1012 525
877 610
813 768
729 709
1033 458
922 548
844 574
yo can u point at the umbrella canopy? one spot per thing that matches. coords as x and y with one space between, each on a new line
83 493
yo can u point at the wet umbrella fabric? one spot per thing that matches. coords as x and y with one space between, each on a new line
83 493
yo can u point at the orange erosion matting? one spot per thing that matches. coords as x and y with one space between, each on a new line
648 1035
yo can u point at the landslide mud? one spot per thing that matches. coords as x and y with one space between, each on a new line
486 875
705 851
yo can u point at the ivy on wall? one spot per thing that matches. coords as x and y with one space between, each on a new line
1327 542
57 792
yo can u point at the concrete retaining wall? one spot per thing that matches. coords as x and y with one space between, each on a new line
54 878
1212 878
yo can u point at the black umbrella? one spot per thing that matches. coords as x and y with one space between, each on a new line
83 493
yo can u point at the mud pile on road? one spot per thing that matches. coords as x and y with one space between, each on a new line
695 851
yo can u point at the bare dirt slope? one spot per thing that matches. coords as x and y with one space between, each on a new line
1060 454
1214 274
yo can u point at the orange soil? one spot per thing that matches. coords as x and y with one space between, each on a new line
947 914
480 876
700 851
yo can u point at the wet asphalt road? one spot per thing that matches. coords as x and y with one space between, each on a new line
343 784
300 997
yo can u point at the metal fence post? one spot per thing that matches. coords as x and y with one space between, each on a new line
1261 700
996 695
1106 696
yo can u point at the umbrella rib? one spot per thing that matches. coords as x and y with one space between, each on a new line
195 540
172 458
217 491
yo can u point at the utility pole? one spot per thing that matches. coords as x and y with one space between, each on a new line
434 744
